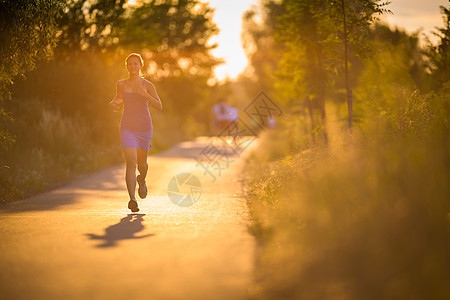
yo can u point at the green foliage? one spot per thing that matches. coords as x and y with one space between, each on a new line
171 35
90 25
439 55
299 48
79 86
313 34
391 80
259 45
27 34
96 37
400 41
280 144
302 31
175 35
352 19
383 82
365 217
360 219
50 148
6 138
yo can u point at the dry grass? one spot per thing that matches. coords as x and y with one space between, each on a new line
366 217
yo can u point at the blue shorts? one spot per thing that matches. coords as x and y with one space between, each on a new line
138 140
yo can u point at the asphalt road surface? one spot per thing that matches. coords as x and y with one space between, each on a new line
81 241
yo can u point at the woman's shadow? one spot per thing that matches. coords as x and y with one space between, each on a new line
124 230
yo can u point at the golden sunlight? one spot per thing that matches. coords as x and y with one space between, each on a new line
131 3
228 17
416 15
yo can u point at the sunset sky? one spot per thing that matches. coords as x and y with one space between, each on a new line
407 14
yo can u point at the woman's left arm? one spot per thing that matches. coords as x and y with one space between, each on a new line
149 92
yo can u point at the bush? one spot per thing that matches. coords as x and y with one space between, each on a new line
51 148
363 218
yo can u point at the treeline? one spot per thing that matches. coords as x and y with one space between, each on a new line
308 53
60 61
349 194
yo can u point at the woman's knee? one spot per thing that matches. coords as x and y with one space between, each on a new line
131 163
142 165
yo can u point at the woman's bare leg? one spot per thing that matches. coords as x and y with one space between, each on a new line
130 174
142 162
142 167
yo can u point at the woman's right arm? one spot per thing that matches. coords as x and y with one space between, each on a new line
117 98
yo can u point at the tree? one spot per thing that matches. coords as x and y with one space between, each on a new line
96 36
353 18
304 61
174 39
380 34
27 34
172 35
439 55
89 25
175 35
319 37
258 24
283 55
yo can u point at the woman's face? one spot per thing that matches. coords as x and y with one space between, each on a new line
134 65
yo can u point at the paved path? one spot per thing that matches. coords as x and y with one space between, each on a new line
81 242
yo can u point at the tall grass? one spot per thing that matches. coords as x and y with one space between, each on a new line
51 148
366 217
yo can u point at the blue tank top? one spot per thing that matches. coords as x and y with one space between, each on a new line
135 117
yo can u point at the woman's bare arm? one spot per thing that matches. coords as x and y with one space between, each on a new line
150 93
117 98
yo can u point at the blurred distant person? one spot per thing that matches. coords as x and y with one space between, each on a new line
224 115
221 112
234 113
271 122
136 128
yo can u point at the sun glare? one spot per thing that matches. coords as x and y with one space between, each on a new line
228 17
131 3
416 15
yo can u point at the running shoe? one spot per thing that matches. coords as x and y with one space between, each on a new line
133 206
142 190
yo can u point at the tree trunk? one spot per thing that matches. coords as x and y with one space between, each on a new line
323 117
311 118
350 108
347 84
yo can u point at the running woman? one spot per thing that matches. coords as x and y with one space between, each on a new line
136 128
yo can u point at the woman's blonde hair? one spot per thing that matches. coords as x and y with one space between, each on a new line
134 55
